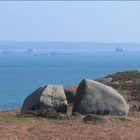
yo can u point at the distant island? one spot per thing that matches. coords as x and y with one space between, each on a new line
119 49
64 48
39 51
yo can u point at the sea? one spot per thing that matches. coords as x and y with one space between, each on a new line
21 74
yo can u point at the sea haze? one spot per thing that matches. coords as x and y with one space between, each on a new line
23 72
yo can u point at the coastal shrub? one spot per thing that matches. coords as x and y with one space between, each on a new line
125 76
49 113
99 119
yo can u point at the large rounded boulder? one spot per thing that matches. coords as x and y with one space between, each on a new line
50 96
95 98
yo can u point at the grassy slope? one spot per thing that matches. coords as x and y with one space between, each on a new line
128 85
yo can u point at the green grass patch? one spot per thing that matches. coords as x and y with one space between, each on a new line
18 117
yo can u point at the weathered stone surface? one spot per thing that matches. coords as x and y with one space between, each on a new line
96 98
50 96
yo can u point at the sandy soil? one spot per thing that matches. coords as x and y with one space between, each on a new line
74 129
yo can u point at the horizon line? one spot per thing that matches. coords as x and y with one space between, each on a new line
69 41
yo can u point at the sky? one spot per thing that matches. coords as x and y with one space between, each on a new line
114 21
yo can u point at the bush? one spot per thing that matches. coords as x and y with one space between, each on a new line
49 113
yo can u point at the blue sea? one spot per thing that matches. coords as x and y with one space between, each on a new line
21 74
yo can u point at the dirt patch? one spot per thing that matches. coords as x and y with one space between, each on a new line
9 112
76 129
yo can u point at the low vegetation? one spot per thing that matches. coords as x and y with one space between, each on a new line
127 84
98 119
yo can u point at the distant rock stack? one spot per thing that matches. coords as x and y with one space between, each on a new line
119 49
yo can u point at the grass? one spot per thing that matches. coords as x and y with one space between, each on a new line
18 117
49 114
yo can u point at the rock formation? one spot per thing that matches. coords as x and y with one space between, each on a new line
96 98
50 96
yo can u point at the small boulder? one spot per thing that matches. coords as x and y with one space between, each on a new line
50 96
95 98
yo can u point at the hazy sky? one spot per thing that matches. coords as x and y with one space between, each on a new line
70 21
